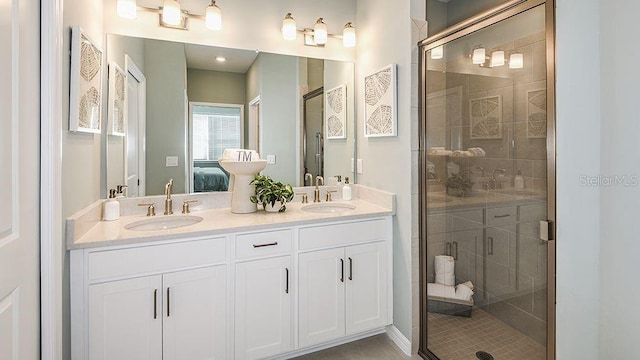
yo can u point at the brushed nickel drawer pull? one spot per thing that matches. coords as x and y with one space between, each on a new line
490 249
447 249
155 304
501 216
263 245
455 250
350 269
342 270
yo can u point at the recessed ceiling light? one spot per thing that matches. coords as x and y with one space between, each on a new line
221 59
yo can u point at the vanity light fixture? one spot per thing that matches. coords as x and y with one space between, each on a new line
171 14
127 9
479 56
318 36
320 32
349 35
516 61
213 17
497 58
437 52
289 30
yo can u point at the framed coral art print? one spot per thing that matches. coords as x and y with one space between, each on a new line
335 113
485 120
117 98
85 84
380 108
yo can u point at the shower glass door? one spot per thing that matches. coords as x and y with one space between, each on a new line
485 190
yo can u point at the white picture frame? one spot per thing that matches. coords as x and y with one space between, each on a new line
485 117
85 89
381 102
335 113
117 100
537 114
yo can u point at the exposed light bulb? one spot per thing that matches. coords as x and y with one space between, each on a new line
320 32
127 9
437 52
289 30
479 56
171 12
516 61
213 18
349 35
497 58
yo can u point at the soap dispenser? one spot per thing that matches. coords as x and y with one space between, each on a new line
120 189
338 180
346 190
111 207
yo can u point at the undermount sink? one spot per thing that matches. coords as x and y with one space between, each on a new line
163 223
516 192
328 208
437 199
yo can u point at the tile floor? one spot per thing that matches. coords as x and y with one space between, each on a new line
459 338
378 347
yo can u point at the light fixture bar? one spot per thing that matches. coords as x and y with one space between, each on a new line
212 16
318 36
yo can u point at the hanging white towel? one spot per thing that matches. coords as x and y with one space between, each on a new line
445 270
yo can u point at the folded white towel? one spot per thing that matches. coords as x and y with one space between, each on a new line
240 155
468 284
463 292
440 290
462 153
476 151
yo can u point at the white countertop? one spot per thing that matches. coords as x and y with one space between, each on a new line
218 221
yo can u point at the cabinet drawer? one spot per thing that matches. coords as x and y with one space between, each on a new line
466 219
501 215
343 234
156 258
267 243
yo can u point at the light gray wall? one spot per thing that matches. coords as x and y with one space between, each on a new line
216 86
165 70
340 151
620 130
279 106
388 161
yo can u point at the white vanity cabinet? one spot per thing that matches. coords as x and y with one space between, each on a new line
343 290
270 292
177 310
264 294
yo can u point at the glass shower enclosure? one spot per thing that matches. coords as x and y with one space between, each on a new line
487 187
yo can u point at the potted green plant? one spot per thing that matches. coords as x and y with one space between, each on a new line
458 184
269 193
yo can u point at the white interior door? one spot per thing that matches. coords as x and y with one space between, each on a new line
19 183
135 124
263 308
125 319
321 294
254 140
194 313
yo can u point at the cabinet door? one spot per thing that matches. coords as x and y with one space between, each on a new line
125 319
263 308
366 279
321 291
194 314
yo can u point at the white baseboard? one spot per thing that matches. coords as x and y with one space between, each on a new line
399 339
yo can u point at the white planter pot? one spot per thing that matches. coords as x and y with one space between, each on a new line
273 208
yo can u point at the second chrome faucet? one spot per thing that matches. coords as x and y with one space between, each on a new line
168 203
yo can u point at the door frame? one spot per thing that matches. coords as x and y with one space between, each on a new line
132 69
255 123
475 23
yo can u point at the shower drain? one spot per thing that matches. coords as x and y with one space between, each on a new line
483 355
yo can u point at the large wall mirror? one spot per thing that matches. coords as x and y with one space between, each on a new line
184 104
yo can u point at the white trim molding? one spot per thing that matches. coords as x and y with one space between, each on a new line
51 245
399 339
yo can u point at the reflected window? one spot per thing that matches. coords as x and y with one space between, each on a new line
215 128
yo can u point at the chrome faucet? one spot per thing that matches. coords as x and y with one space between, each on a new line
309 177
316 192
168 203
494 180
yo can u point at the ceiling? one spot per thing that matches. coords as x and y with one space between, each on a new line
204 58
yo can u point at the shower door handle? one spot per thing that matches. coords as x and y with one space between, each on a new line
546 231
